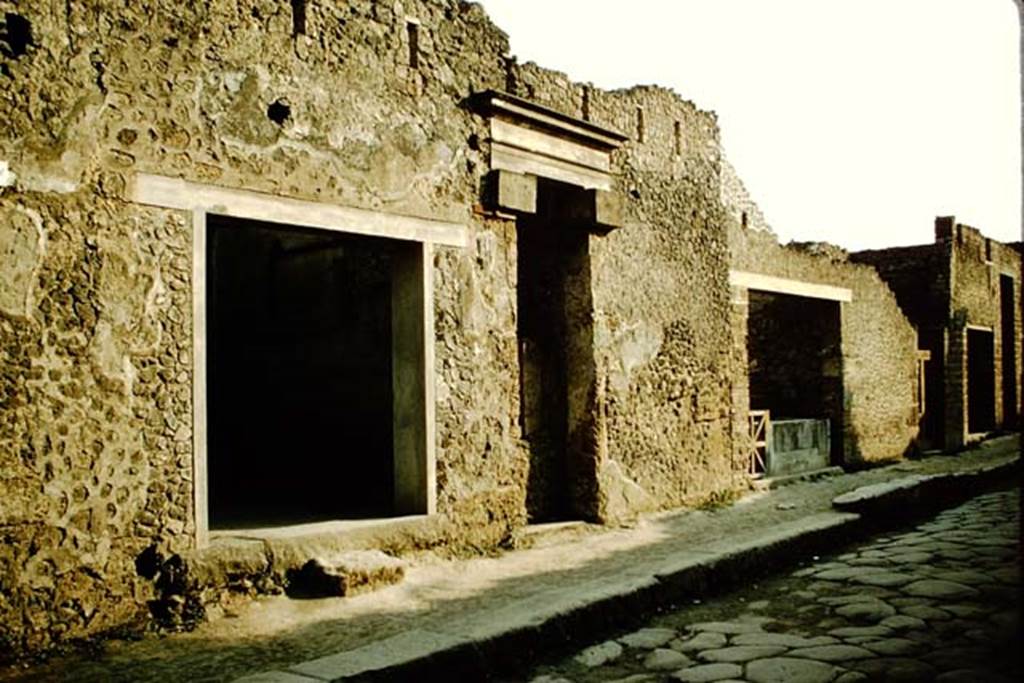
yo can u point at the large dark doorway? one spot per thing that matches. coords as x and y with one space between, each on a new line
795 361
299 375
1008 345
981 390
555 328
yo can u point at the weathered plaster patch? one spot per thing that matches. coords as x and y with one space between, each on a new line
127 291
22 248
630 348
7 176
623 499
38 181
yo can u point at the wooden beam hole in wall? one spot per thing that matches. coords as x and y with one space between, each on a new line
298 17
412 28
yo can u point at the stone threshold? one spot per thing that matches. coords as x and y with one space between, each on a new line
276 550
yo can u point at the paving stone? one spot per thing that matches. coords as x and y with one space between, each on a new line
848 631
935 588
705 640
965 610
844 573
968 577
547 678
726 627
602 653
950 658
1005 575
885 579
969 676
636 678
913 557
662 659
921 636
860 640
758 605
957 554
704 673
851 677
847 599
895 669
648 638
901 622
789 670
925 612
904 601
782 639
740 653
831 653
866 611
894 647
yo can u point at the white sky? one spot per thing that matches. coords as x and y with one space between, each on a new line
850 122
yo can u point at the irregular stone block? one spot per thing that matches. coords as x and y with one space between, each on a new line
600 654
787 670
347 573
708 672
513 191
666 660
648 638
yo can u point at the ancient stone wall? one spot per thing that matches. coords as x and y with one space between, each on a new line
878 343
345 108
945 287
737 201
96 434
660 292
977 264
918 276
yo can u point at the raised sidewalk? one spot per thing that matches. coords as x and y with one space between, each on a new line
471 619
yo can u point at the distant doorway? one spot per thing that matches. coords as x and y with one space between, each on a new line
980 381
1008 346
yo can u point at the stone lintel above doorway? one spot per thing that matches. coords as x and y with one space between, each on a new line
529 141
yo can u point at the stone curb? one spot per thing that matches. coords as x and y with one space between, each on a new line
901 500
504 638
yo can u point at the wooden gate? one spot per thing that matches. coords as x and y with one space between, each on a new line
760 431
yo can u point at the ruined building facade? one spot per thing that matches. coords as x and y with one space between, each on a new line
962 292
283 275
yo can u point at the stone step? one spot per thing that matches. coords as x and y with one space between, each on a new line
345 573
551 533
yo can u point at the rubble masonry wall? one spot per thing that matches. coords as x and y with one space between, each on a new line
96 467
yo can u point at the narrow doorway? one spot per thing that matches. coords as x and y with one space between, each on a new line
980 381
299 375
1008 346
933 426
555 331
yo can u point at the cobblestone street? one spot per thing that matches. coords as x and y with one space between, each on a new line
937 602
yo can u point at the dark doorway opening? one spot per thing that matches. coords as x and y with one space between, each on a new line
933 427
299 354
795 361
981 388
555 330
1008 324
